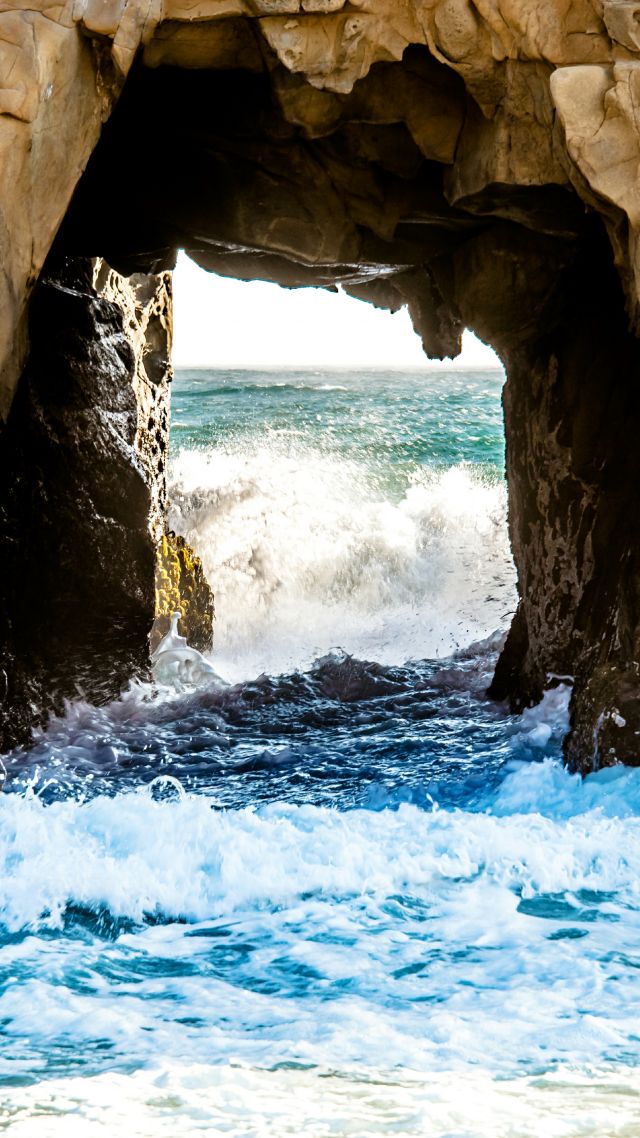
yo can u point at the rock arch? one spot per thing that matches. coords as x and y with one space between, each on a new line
476 161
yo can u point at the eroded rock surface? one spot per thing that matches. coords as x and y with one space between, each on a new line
81 492
476 161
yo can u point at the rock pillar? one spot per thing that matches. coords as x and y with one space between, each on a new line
82 491
572 417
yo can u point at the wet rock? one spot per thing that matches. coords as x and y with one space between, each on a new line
80 496
572 408
181 586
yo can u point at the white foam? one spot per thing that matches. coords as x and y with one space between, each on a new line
307 552
543 831
398 938
237 1100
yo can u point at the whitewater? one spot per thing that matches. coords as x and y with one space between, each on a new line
346 895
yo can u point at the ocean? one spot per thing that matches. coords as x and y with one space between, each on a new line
347 894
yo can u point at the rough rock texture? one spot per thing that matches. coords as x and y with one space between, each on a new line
181 586
572 407
476 160
81 493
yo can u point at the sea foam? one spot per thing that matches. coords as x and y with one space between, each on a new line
421 923
544 831
237 1100
422 939
310 551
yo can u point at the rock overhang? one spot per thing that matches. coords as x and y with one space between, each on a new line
506 98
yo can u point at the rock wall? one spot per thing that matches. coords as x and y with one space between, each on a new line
572 408
476 160
82 489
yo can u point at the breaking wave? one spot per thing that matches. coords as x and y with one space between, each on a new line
310 551
347 893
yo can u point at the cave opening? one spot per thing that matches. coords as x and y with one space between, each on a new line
256 179
341 490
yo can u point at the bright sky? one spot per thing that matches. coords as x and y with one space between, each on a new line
229 323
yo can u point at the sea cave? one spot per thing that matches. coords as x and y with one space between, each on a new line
426 157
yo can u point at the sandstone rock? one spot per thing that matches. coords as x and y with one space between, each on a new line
55 91
145 305
226 44
335 53
621 21
515 148
598 109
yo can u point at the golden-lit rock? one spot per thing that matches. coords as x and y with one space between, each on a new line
181 586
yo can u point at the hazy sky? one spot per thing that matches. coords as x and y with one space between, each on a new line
228 323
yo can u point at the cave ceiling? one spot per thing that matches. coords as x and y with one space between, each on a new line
361 143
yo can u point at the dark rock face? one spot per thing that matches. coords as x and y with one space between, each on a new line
249 194
78 504
572 410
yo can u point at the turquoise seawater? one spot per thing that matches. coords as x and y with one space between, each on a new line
346 894
362 510
396 421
